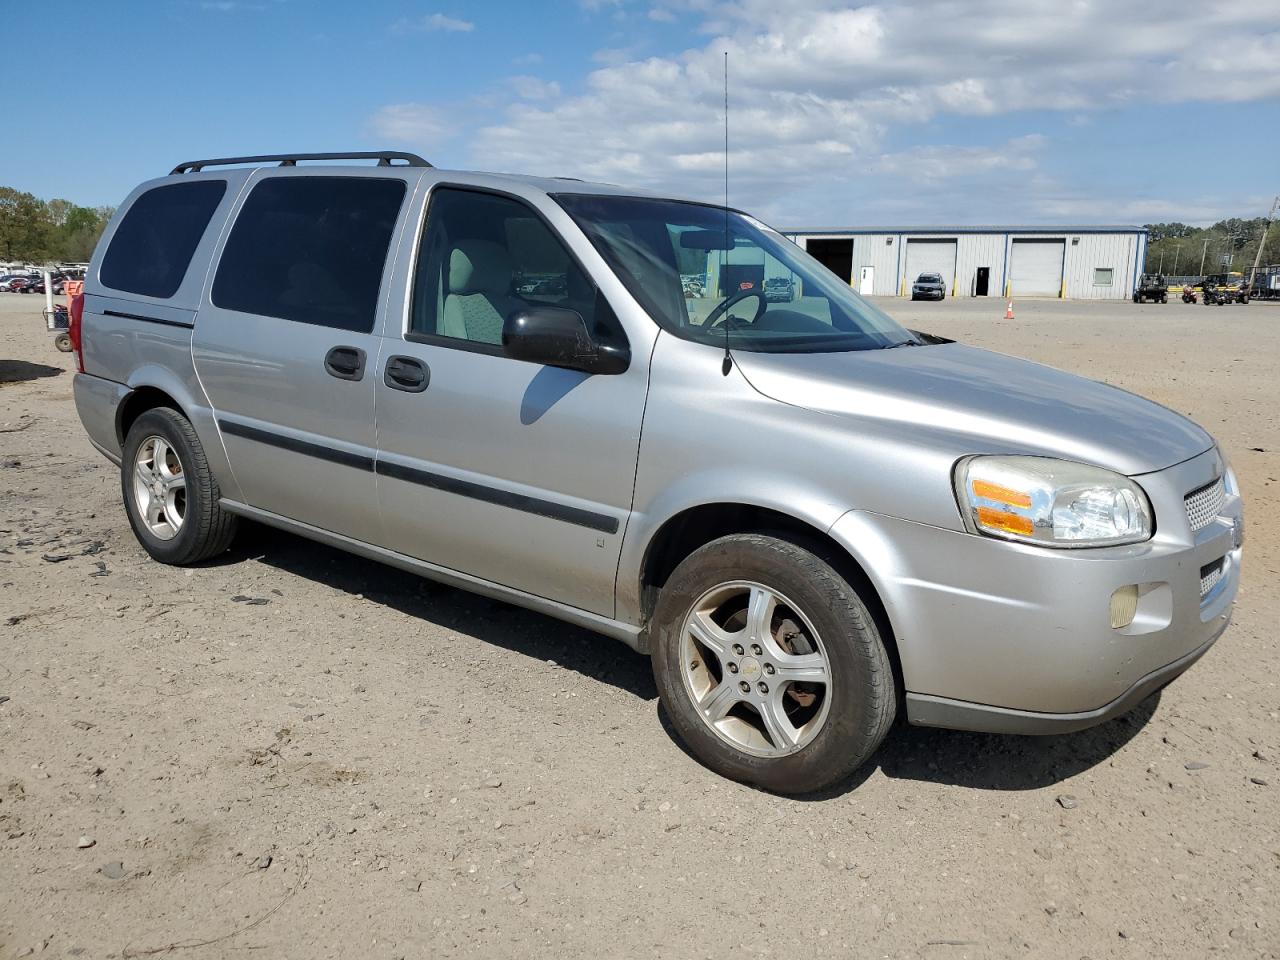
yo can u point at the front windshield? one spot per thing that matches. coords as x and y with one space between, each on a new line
759 288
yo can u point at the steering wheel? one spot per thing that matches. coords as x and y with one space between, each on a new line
716 316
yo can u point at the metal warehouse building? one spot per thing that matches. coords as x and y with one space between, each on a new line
1075 263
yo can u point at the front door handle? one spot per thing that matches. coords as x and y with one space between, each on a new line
406 373
345 363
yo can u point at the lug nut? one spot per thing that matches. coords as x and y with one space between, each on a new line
755 649
768 668
745 687
762 687
733 667
737 648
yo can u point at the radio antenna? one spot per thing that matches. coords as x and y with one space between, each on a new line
727 365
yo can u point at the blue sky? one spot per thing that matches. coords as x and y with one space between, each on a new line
923 111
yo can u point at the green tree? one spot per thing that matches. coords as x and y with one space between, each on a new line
26 232
80 231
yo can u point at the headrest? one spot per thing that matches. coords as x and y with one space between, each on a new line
479 266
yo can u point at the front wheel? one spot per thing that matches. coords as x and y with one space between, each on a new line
770 664
170 495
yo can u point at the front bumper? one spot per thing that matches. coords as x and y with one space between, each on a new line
1008 637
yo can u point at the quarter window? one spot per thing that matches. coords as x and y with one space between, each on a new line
151 249
1102 276
484 256
311 250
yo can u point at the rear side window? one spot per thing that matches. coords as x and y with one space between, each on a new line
152 247
310 249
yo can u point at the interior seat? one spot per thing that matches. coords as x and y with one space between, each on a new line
479 297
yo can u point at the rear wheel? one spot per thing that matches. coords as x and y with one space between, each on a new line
169 493
770 665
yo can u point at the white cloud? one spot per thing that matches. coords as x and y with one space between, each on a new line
434 22
942 162
418 124
531 88
818 88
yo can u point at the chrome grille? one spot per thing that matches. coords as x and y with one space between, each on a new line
1210 576
1204 505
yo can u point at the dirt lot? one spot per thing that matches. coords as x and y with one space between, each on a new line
356 763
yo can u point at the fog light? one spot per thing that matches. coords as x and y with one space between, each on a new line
1124 606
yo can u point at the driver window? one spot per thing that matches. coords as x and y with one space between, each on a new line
484 256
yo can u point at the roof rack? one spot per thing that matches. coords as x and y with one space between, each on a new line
384 158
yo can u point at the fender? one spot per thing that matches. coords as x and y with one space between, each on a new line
189 395
803 502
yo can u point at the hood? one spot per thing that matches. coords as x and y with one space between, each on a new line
993 403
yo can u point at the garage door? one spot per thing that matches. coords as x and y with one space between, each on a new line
931 256
1036 268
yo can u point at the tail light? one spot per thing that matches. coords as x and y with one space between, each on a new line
75 330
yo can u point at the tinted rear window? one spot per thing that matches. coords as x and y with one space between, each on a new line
310 249
152 247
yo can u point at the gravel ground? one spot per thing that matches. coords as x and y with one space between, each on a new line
294 751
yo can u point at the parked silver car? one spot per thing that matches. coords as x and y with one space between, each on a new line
812 519
929 286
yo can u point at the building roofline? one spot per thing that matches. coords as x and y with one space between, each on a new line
952 230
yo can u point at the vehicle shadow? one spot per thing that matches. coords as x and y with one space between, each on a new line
981 761
990 761
18 371
490 621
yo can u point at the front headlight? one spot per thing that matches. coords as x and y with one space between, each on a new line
1052 503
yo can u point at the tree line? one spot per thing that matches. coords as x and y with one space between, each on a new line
41 231
1176 249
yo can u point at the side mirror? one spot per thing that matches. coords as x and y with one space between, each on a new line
558 337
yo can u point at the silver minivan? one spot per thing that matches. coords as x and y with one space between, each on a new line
665 422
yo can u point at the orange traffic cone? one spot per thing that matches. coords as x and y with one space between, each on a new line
1008 314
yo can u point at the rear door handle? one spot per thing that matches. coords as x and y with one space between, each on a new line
345 363
406 373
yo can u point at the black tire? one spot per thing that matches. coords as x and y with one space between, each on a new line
63 342
857 720
1164 299
206 529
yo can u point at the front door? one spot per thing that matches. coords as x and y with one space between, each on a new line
505 470
982 281
867 281
285 347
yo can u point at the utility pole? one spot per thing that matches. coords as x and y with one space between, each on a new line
1160 269
1203 251
1177 252
1257 258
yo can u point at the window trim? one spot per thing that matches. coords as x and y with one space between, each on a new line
475 346
388 261
1111 282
